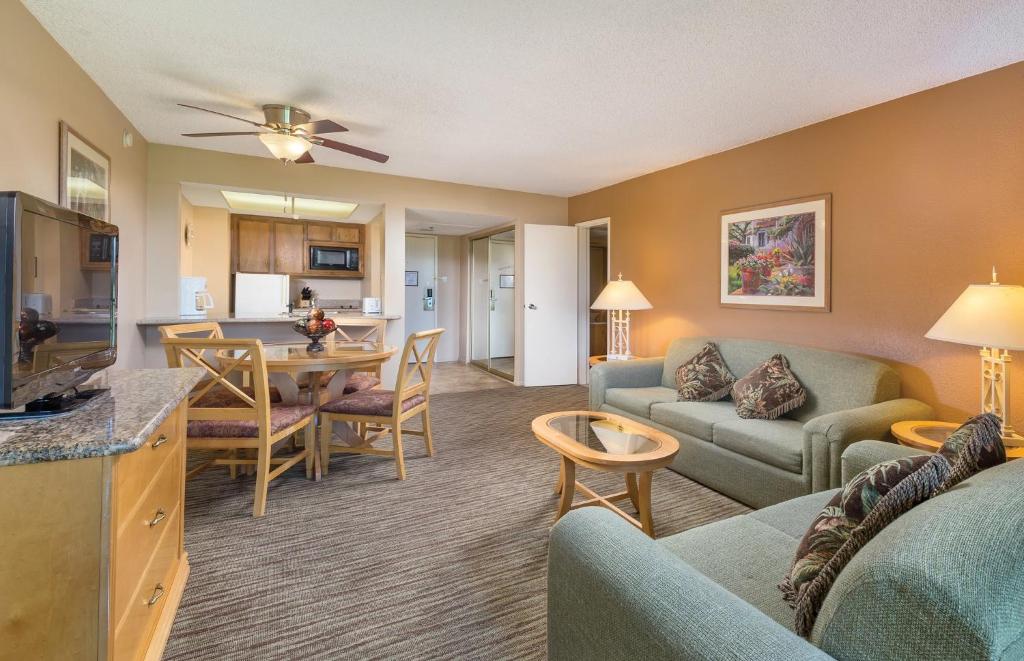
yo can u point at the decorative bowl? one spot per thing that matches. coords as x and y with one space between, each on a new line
315 327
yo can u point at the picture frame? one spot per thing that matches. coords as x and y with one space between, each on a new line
506 282
777 256
84 175
412 278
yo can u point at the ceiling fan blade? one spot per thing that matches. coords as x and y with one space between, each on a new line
305 158
222 114
355 151
212 135
321 126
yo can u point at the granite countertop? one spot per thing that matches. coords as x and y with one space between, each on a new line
114 423
232 319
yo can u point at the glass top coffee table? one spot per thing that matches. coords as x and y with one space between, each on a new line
606 442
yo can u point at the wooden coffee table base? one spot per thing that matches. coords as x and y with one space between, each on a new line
638 492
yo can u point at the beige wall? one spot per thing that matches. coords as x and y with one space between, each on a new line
211 253
927 194
186 215
39 86
169 166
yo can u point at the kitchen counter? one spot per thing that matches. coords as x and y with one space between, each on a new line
232 319
114 423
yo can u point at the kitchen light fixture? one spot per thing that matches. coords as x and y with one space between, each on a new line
620 296
991 317
258 202
305 206
284 146
296 207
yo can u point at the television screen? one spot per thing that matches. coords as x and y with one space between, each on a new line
61 297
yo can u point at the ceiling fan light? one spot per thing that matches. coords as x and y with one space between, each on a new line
285 147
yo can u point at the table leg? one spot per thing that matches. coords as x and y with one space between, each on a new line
561 478
311 446
631 488
342 431
644 506
568 473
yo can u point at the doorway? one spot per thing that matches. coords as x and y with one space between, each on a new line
492 303
420 283
594 274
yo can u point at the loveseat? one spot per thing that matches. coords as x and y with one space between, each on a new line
943 581
760 462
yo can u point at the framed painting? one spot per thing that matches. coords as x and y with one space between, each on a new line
777 256
84 184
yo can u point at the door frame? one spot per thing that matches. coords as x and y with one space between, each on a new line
433 238
583 343
468 297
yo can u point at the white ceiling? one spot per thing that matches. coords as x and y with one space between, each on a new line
548 96
453 223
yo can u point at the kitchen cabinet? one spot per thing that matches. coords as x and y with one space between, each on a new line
252 243
334 232
289 245
263 244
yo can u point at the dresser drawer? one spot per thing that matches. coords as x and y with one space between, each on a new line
135 470
142 527
146 598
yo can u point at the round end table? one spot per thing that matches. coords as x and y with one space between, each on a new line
929 435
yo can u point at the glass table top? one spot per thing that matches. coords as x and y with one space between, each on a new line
297 351
934 433
603 435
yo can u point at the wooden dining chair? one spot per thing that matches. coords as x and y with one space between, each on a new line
225 418
384 411
367 332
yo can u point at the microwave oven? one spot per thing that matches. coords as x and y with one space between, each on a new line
333 258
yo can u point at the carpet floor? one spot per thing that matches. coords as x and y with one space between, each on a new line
448 564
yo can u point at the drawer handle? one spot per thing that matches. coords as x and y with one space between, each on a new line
158 593
160 516
160 441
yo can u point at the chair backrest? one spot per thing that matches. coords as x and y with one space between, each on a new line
368 331
416 366
53 354
199 330
232 402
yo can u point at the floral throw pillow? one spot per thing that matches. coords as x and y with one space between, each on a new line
704 377
769 391
875 498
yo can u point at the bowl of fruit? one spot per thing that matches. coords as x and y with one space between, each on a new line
315 327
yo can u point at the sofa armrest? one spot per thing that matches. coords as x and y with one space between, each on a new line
827 436
865 454
614 593
639 373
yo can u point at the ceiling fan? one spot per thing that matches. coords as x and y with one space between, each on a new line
289 134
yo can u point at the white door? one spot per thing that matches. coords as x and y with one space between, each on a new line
420 283
550 296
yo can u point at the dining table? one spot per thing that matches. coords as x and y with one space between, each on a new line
286 361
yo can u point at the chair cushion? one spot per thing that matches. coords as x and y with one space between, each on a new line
282 416
778 443
693 418
370 402
360 381
638 400
768 391
220 397
704 377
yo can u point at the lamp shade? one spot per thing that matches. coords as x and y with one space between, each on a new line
621 295
984 316
285 147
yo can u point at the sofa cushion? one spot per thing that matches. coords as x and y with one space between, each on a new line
704 377
769 391
778 443
794 516
742 555
694 418
638 400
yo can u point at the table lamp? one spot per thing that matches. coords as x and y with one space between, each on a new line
991 317
620 296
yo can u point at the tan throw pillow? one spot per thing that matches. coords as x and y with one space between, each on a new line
769 391
704 377
875 498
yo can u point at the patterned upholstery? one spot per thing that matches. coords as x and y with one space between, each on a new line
370 402
220 397
360 381
281 417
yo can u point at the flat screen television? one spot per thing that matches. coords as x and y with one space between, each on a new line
58 300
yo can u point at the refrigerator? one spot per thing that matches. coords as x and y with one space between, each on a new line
261 295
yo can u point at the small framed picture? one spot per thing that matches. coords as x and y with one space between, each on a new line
412 278
84 183
506 282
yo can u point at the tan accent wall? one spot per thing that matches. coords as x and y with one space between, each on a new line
40 85
186 215
927 194
211 254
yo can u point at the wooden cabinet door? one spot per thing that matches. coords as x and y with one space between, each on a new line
253 245
319 232
288 248
346 234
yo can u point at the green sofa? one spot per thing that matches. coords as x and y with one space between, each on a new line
944 581
760 462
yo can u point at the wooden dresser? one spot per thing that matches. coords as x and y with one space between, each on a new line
93 558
